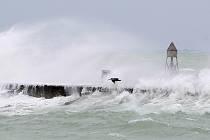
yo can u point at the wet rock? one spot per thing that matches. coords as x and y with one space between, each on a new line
46 91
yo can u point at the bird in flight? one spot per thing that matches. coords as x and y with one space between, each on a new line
114 80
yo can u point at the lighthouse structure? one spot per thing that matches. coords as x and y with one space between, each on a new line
171 60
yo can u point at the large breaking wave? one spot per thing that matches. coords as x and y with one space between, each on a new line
184 92
68 52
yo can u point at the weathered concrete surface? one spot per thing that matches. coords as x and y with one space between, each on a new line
46 91
50 91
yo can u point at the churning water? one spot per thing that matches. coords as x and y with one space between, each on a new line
172 107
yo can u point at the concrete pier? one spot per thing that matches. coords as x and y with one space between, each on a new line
50 91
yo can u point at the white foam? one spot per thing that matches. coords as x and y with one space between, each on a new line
140 120
116 135
188 93
21 104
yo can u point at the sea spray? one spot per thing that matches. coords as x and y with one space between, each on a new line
161 106
187 93
66 52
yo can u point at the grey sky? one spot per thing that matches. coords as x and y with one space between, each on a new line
158 21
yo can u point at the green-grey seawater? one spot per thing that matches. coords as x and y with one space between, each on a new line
98 124
181 114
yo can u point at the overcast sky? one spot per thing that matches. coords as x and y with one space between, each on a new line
186 22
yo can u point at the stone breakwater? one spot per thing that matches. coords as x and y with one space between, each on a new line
50 91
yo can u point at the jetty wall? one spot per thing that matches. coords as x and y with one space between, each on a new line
50 91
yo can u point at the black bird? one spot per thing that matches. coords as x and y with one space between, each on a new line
114 80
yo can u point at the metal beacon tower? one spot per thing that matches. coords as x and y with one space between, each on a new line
171 60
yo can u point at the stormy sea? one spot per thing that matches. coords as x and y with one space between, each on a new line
162 106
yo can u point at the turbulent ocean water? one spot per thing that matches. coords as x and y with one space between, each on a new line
181 114
169 106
